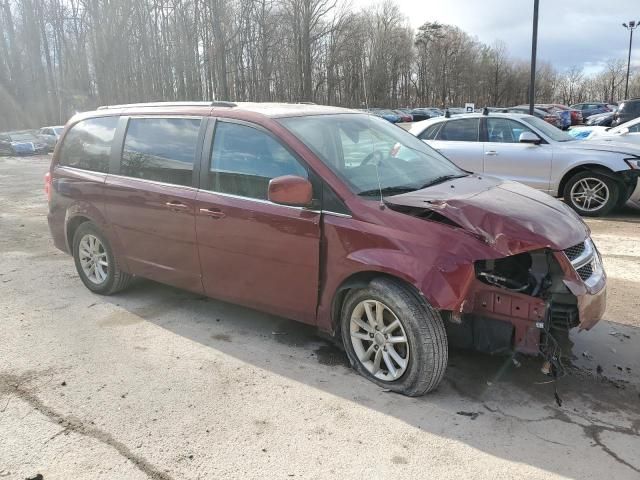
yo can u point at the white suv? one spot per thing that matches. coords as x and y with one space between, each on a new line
593 176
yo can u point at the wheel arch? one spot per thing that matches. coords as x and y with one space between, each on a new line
360 280
71 227
585 167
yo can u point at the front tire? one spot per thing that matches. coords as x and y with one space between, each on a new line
394 338
592 194
95 262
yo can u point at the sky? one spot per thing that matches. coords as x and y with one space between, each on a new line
584 33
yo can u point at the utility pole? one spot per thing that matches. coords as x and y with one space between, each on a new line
534 48
631 27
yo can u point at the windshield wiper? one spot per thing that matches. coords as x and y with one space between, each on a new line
387 191
443 178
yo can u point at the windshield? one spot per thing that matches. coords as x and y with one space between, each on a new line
370 154
549 130
22 137
58 130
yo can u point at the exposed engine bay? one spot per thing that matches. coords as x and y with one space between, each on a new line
517 303
524 273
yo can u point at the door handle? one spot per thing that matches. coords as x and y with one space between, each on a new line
491 153
176 205
212 212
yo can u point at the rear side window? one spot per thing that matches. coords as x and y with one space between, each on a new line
88 144
161 149
465 130
244 159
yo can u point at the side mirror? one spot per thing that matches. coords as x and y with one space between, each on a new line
290 190
624 131
529 137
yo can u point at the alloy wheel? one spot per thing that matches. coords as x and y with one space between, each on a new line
590 194
93 259
379 340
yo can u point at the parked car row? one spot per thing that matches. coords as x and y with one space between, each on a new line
29 142
405 115
340 220
556 116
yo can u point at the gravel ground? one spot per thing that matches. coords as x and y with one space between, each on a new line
160 383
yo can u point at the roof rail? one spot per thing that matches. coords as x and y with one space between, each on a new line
157 104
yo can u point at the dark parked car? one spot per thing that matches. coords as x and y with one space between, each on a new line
591 108
327 216
627 110
22 142
425 113
600 119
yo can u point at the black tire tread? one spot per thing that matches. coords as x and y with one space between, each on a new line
431 333
120 279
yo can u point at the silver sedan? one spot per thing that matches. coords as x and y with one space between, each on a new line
593 176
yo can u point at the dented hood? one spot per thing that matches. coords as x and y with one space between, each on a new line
509 216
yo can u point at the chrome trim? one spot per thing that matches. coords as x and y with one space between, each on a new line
258 200
585 257
336 214
589 256
58 166
156 182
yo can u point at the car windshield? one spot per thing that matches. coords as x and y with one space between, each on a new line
549 130
58 130
22 137
370 154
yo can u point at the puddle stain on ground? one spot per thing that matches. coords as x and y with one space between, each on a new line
331 355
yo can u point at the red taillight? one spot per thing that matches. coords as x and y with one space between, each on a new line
47 185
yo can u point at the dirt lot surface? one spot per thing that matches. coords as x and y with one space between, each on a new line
164 384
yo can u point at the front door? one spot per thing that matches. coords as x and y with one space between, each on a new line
151 201
505 157
252 251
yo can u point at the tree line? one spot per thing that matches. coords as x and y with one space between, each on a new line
62 56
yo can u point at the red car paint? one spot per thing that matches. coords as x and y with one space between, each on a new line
295 262
576 115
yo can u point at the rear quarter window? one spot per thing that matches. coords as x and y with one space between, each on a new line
88 144
430 132
464 130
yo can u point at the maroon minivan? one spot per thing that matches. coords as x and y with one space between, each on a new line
328 216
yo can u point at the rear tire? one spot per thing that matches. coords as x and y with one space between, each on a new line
592 194
96 263
376 350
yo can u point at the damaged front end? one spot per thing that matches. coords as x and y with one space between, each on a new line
540 272
519 302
